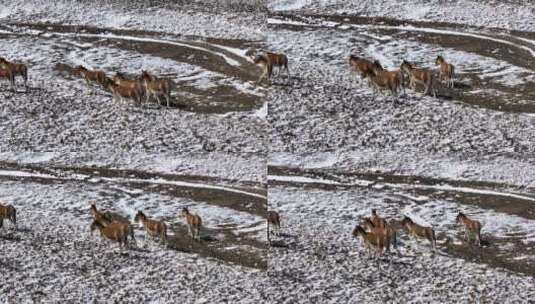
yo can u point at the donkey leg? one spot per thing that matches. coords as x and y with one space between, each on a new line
132 236
163 238
13 220
199 233
147 95
13 88
261 77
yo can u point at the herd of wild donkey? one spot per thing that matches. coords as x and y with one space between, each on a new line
378 235
119 229
147 85
379 78
375 232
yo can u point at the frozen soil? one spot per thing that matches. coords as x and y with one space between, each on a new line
51 119
63 262
322 117
247 167
510 15
198 18
68 145
216 126
60 113
337 151
317 256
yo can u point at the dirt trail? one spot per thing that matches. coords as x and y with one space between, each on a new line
235 243
223 57
513 250
516 49
492 196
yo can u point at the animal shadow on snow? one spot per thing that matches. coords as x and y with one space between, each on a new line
208 238
11 234
19 89
292 243
287 235
279 244
10 237
459 85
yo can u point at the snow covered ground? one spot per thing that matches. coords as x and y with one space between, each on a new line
321 117
317 260
219 109
317 146
337 151
66 145
239 167
188 18
53 257
509 15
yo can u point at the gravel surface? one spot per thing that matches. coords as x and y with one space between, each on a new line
510 15
335 151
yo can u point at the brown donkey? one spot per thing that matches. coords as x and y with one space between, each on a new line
273 219
91 76
377 220
372 239
105 219
419 231
472 227
121 92
156 88
422 76
268 61
98 216
11 70
396 77
360 65
267 69
447 71
153 227
380 79
194 223
280 61
379 225
114 231
8 212
121 79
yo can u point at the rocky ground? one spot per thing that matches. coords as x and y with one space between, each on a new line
337 151
317 146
